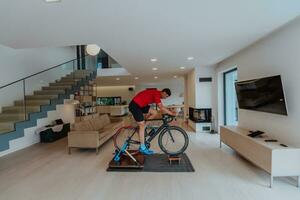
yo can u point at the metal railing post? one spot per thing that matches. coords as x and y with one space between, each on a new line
24 96
73 70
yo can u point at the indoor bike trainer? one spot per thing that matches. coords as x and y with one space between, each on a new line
172 140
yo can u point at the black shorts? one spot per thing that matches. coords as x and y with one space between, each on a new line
137 111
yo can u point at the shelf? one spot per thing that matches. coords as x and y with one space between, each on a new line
87 98
269 156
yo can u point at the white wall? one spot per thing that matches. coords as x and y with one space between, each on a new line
276 54
19 63
113 91
191 85
186 99
199 94
102 72
175 85
203 98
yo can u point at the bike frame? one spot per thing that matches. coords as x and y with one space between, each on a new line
162 127
121 150
157 132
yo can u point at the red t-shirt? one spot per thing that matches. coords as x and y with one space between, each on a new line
146 97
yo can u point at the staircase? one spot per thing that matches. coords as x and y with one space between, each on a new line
24 114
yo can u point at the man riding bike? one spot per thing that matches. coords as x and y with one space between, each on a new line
140 106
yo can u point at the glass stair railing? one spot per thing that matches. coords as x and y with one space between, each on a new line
20 99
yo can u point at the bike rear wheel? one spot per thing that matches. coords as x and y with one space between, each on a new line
173 140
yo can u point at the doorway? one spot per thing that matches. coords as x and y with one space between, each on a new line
230 99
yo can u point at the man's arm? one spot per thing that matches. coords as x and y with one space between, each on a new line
165 110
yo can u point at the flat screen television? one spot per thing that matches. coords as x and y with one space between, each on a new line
263 94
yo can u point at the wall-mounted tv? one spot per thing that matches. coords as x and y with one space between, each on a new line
263 94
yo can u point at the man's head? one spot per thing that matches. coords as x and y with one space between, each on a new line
165 93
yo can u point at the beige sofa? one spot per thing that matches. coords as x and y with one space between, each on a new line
92 133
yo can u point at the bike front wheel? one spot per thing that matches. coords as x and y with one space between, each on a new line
173 140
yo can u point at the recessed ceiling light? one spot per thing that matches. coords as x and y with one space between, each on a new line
190 58
156 77
136 78
182 67
53 1
175 76
154 68
153 59
117 79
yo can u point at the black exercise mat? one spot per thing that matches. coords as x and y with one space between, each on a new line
160 163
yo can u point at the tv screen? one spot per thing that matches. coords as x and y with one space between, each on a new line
264 94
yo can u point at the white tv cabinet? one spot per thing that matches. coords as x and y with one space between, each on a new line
269 156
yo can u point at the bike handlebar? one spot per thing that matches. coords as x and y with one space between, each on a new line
167 118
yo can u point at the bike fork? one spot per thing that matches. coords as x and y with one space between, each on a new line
172 138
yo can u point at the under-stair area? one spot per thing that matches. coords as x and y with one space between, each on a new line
24 113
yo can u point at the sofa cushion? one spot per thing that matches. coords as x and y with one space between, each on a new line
106 128
110 128
97 123
83 126
89 117
105 119
102 135
116 125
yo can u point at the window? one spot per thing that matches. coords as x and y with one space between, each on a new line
230 99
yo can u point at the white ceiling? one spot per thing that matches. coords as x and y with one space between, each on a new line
134 31
129 80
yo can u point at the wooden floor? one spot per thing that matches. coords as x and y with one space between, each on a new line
46 171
